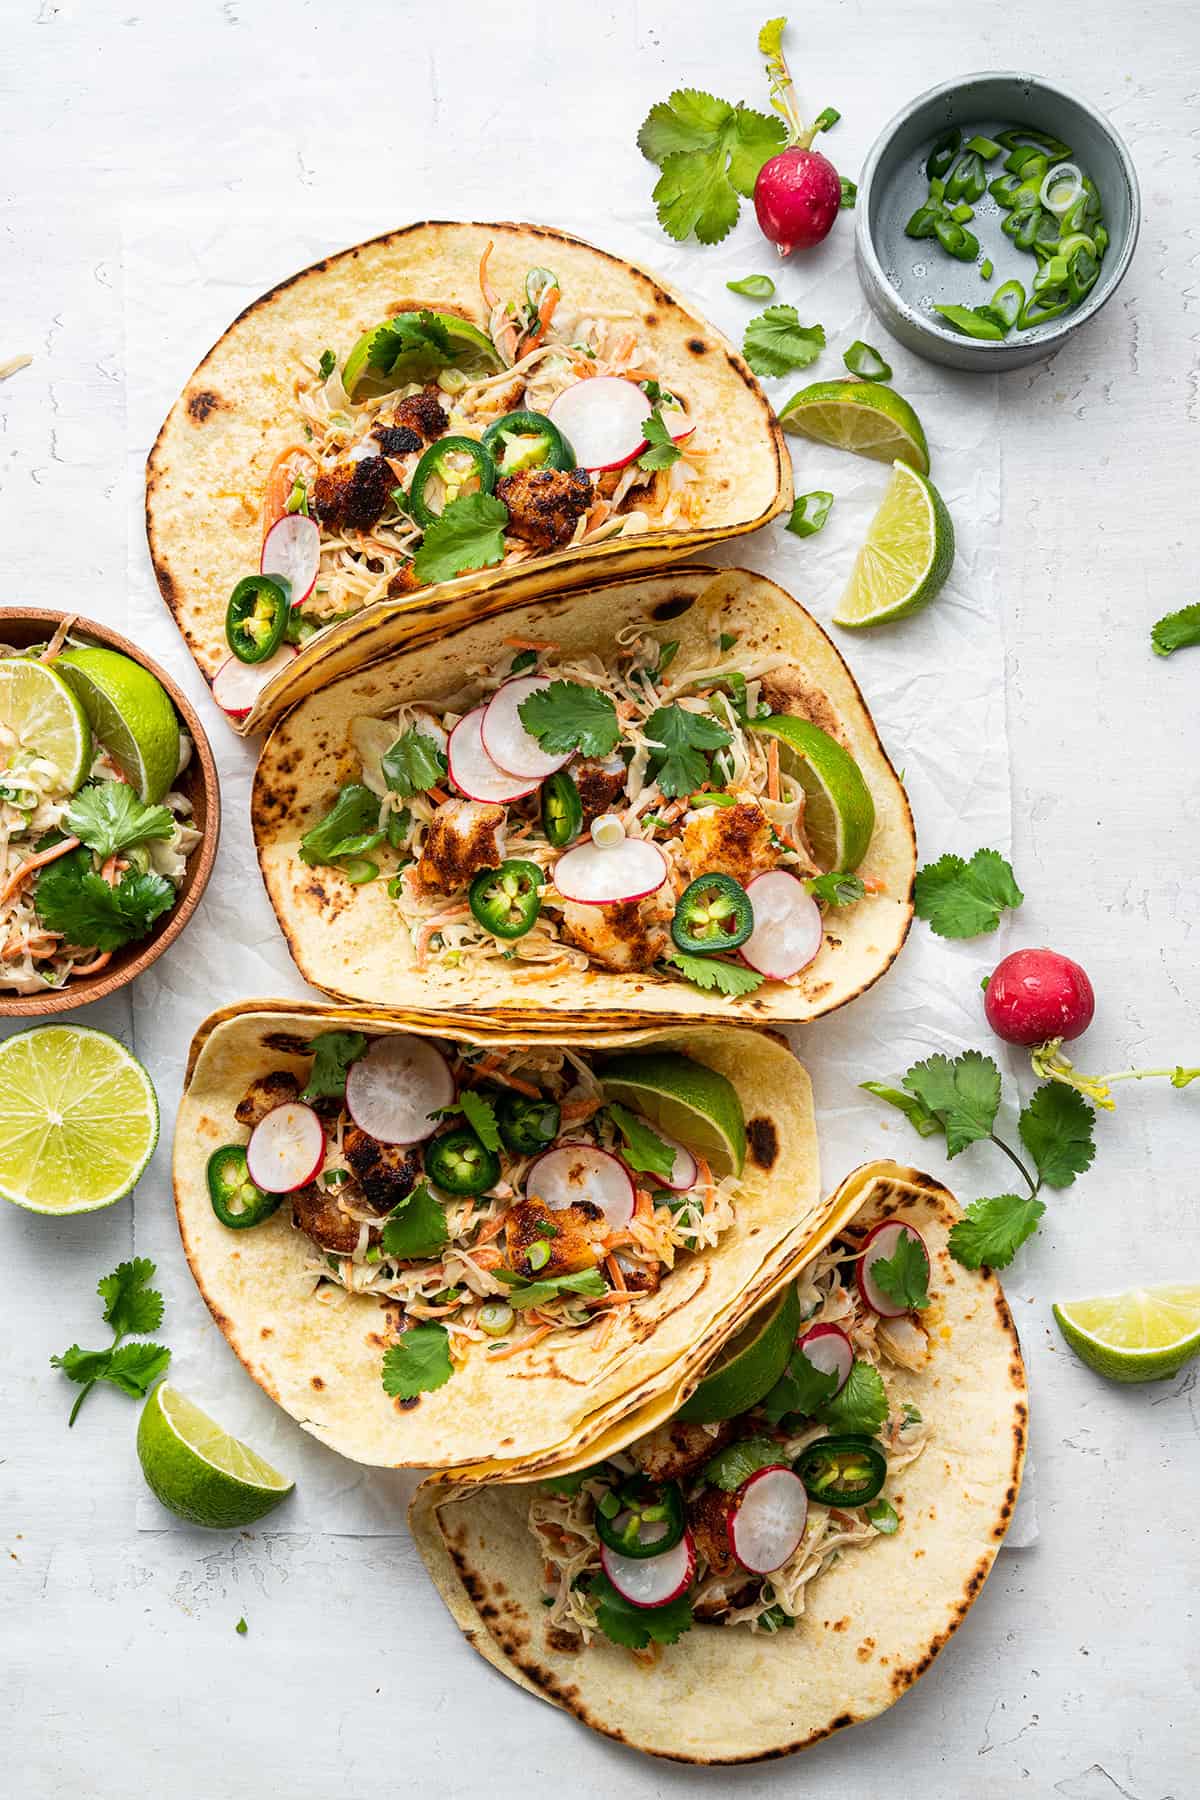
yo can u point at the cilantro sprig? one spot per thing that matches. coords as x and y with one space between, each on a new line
904 1275
776 342
568 715
635 1627
960 899
72 898
132 1308
333 1054
1176 631
713 975
107 816
709 154
413 764
468 534
643 1149
416 1227
418 1362
679 740
663 450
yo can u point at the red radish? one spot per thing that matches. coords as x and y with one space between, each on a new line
237 685
286 1149
506 740
787 925
881 1243
649 1581
472 770
576 1172
606 874
292 549
767 1519
798 192
685 1170
1038 994
678 425
394 1089
602 418
829 1350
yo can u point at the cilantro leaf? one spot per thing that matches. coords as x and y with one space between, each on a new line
1056 1129
884 1517
588 1282
644 1150
663 449
413 764
862 1406
802 1388
134 1368
71 898
836 889
327 364
481 1117
755 287
129 1304
709 152
108 816
776 341
737 1462
82 1365
349 828
963 1094
678 739
418 1363
915 1111
469 534
904 1275
634 1627
333 1053
810 512
1176 631
715 976
417 1227
567 715
992 1231
958 899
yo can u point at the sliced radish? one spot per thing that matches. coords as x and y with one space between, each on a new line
394 1089
603 419
648 1581
506 740
766 1521
605 874
286 1149
472 770
829 1350
573 1172
237 685
881 1243
685 1170
787 925
292 549
678 424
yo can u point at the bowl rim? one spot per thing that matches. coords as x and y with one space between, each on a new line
1070 322
110 981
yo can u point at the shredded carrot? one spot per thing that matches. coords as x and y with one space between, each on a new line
491 1066
574 1112
617 1240
487 1258
525 1343
616 1274
280 483
874 884
622 349
438 795
20 876
92 968
597 515
546 306
492 1229
710 1186
514 837
517 643
490 296
643 1205
617 1299
539 971
773 769
109 872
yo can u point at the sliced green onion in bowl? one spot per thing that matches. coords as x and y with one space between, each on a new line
1061 187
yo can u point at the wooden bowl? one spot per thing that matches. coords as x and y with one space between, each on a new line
24 625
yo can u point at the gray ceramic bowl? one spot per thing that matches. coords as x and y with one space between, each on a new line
904 278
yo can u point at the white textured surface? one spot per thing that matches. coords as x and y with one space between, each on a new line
1076 1673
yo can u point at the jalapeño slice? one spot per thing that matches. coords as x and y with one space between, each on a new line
641 1519
714 913
526 1125
237 1202
257 616
842 1471
527 440
562 810
459 1163
431 464
505 900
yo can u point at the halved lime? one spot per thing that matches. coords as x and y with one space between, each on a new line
373 367
1146 1334
860 416
78 1119
749 1365
686 1099
43 715
198 1471
907 555
839 815
130 712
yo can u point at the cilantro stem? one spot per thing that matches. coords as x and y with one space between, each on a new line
1014 1158
86 1390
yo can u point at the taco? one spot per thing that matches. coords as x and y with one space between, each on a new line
429 423
437 1247
788 1558
705 823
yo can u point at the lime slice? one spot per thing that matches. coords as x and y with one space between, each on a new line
198 1471
1146 1334
130 712
45 718
907 555
839 815
749 1365
685 1099
364 379
78 1119
860 416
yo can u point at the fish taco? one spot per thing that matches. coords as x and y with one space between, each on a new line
428 424
661 796
786 1554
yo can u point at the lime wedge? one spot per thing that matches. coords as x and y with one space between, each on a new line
685 1099
749 1365
198 1471
43 715
374 368
907 555
860 416
78 1119
839 815
1146 1334
130 712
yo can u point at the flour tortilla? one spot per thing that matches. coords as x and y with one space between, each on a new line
320 1358
208 468
349 940
875 1620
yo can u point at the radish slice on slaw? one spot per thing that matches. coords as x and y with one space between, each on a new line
506 740
606 869
286 1149
237 685
829 1350
787 925
767 1520
648 1581
392 1091
472 770
577 1171
603 419
881 1243
292 549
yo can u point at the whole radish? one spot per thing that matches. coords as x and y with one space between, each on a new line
798 191
1035 995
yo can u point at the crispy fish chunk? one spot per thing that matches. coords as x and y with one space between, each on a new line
639 1278
729 840
386 1173
708 1517
421 415
351 494
626 937
674 1450
315 1211
575 1244
601 782
545 505
264 1094
463 837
